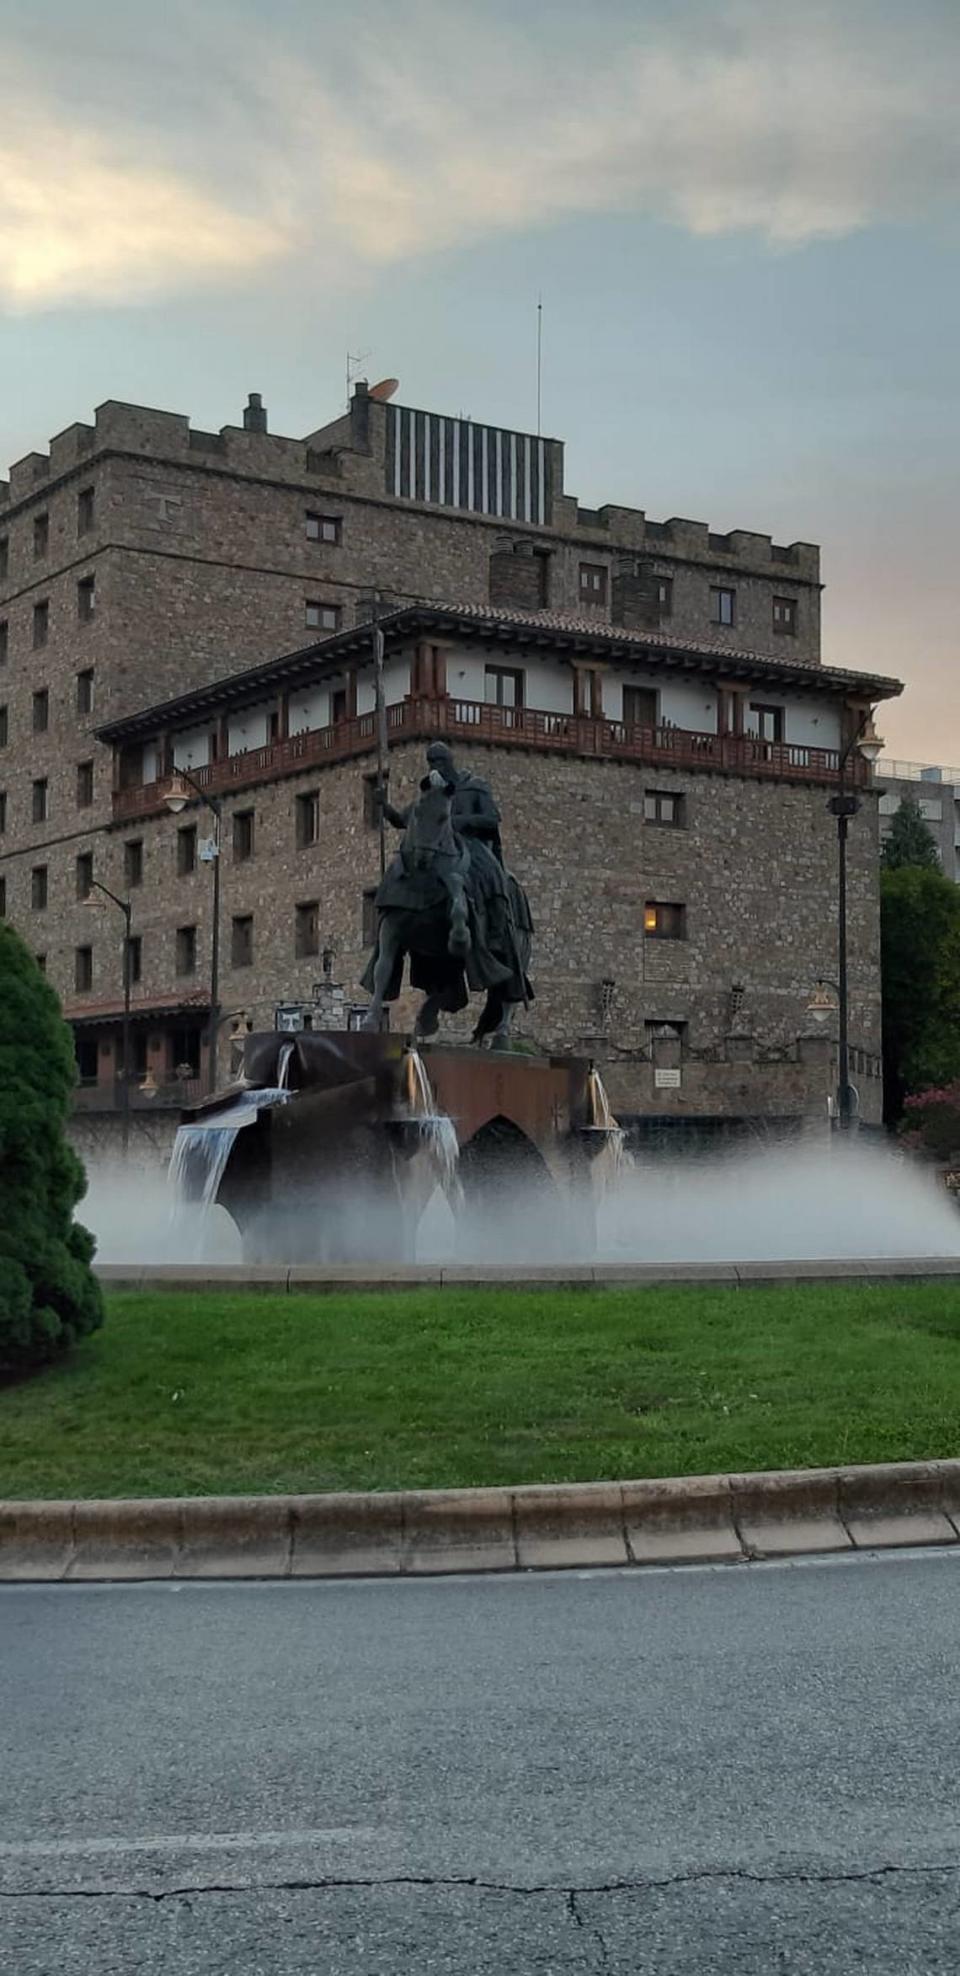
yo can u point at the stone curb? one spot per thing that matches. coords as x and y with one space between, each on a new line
287 1279
672 1520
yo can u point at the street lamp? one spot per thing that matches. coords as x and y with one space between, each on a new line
843 806
177 796
124 906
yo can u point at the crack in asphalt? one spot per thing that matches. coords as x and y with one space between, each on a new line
472 1883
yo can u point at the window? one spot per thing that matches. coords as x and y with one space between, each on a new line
3 811
723 606
41 711
322 528
84 785
186 849
41 961
4 727
308 819
88 1057
242 836
38 888
785 615
3 898
85 691
133 953
85 510
83 969
322 617
85 874
665 595
769 722
502 687
664 922
241 940
86 598
4 557
38 807
186 950
338 705
41 534
640 706
663 806
307 929
4 641
368 932
133 863
41 624
593 583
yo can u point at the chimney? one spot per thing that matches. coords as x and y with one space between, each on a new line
254 417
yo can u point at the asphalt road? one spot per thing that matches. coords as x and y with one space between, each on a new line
745 1769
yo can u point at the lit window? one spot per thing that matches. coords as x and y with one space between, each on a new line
664 922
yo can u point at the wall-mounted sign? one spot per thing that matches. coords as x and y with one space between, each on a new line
666 1080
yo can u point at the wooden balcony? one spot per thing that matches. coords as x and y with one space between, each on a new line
417 719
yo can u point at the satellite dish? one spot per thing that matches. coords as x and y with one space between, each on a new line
387 388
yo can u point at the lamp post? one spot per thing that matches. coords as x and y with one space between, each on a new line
176 797
843 806
124 906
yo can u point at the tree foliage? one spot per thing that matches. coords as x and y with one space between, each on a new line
48 1293
920 946
911 841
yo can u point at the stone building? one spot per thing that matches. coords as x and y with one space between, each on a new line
936 791
648 699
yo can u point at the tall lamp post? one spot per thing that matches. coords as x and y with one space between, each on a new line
124 906
843 806
177 796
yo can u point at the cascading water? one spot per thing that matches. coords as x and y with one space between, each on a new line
201 1150
600 1118
438 1134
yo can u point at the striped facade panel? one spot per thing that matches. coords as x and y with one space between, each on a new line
454 463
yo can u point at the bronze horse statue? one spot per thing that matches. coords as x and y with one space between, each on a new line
464 922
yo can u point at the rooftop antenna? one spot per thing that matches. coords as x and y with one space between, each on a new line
355 363
539 358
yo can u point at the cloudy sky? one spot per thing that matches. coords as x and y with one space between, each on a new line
742 216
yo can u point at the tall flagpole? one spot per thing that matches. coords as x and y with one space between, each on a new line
381 705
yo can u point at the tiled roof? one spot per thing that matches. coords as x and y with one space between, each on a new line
107 1011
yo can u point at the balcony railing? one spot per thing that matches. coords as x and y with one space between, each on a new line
107 1096
522 727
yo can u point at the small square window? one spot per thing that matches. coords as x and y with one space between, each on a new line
41 711
593 583
85 874
664 922
723 606
186 849
41 624
369 921
308 819
133 863
186 950
86 598
307 929
85 510
322 528
133 950
84 785
85 691
321 617
41 534
38 888
83 970
241 941
663 806
785 615
4 641
243 836
40 794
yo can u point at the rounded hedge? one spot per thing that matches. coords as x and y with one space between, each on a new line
49 1295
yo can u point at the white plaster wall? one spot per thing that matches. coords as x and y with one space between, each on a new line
150 762
806 723
248 729
688 703
465 676
192 748
309 708
396 686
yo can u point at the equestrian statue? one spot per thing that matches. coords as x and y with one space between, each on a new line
448 902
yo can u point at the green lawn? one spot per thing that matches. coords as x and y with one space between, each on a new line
192 1395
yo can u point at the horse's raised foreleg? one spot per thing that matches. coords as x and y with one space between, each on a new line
389 945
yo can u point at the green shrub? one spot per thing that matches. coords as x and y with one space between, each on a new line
48 1294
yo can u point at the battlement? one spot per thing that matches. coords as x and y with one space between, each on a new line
682 537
